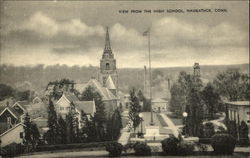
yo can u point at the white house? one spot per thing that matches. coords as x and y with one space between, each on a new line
159 105
13 135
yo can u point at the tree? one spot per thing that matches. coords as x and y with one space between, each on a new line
6 91
72 125
134 109
52 124
114 126
233 85
146 107
211 99
100 116
195 113
62 130
31 133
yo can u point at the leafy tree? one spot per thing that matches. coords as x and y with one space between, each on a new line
52 124
62 130
100 116
233 85
6 91
146 107
134 109
211 99
31 132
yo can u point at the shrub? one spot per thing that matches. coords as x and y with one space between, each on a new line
170 145
142 149
202 148
208 130
185 148
12 150
114 149
223 144
243 132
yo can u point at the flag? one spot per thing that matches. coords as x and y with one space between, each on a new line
145 33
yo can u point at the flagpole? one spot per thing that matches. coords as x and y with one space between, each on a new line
150 79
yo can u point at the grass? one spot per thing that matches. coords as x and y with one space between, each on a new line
161 120
176 121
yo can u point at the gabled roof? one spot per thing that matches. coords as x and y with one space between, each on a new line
70 97
87 106
109 83
10 110
103 91
20 124
22 104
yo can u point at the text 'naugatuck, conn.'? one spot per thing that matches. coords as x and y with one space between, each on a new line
208 10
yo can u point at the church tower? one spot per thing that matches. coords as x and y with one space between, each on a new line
108 64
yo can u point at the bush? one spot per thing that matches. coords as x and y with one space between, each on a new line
185 148
223 144
142 149
170 145
12 150
114 149
208 130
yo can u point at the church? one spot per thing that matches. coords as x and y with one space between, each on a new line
107 82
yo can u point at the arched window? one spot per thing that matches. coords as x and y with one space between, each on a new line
107 66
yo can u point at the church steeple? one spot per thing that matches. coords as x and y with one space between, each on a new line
108 63
107 41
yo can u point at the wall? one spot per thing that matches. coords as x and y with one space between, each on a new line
12 136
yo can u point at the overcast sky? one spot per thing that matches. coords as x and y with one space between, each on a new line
72 33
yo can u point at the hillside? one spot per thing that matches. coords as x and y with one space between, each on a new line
37 77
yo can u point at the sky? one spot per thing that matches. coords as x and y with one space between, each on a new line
73 33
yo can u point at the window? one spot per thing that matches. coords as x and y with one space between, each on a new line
248 113
21 134
107 66
8 120
248 121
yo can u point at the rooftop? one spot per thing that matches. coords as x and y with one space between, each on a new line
238 102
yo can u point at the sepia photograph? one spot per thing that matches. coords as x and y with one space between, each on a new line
130 78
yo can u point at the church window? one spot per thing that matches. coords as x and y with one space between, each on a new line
107 66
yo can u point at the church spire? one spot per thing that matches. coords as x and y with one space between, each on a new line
107 41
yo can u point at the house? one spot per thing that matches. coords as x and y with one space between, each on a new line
9 116
63 106
238 111
21 107
12 135
159 105
36 100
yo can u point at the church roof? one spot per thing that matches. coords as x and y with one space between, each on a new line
103 91
87 106
109 83
107 42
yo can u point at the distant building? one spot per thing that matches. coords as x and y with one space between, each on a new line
13 135
159 105
239 111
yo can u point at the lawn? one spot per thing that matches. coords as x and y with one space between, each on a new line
176 121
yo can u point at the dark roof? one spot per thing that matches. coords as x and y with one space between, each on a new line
23 104
87 106
71 97
13 111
